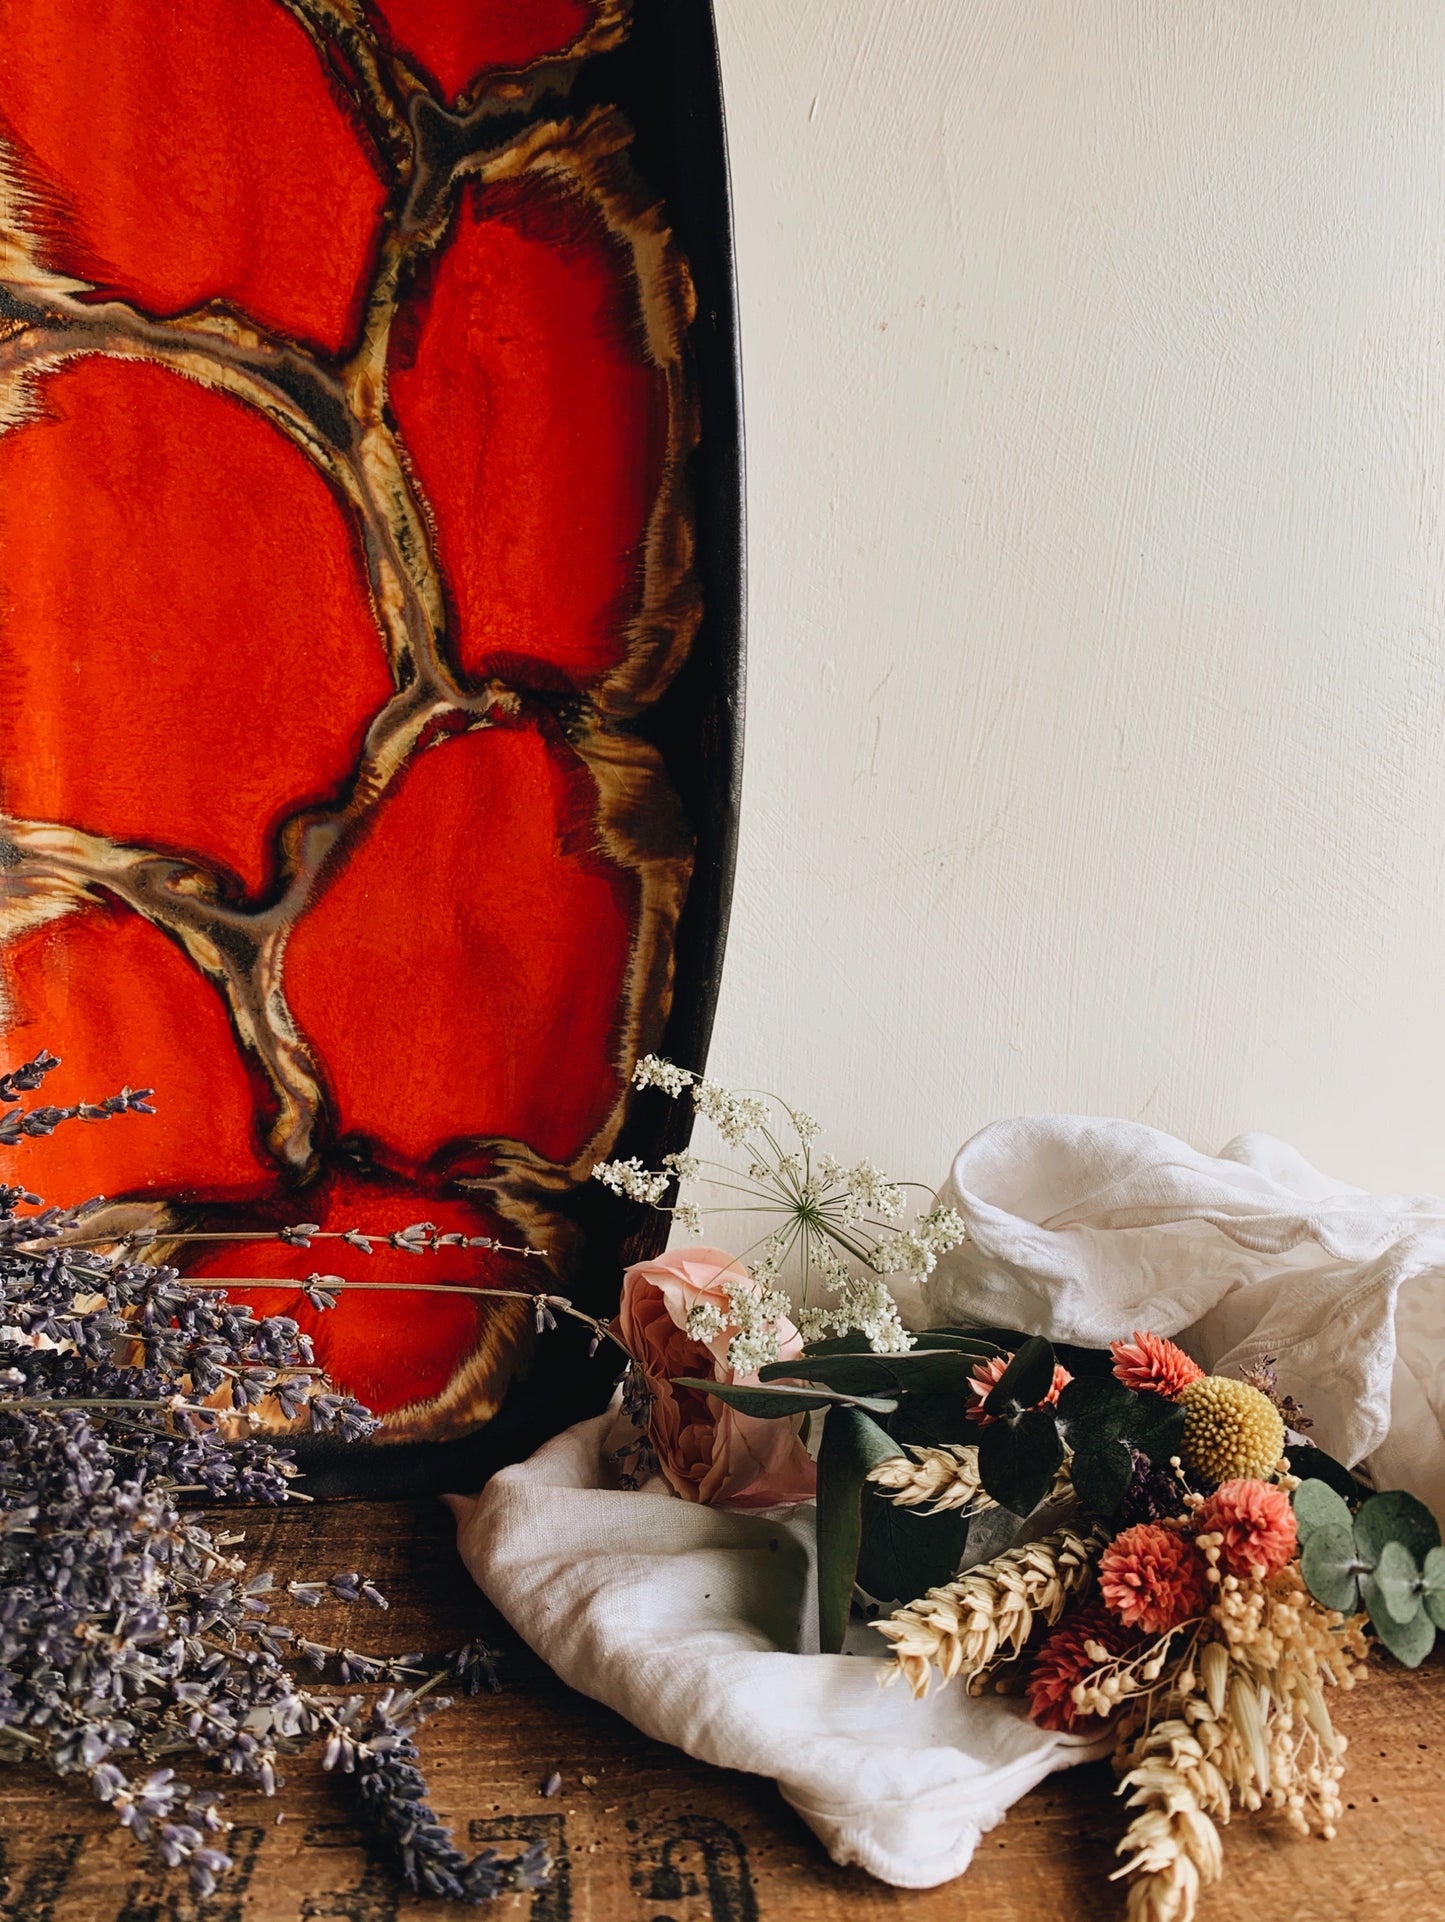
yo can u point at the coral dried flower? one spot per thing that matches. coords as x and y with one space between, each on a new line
1257 1524
1152 1362
988 1374
1063 1661
1152 1578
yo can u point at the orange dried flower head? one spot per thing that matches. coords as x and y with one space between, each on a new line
988 1374
1152 1362
1063 1661
1152 1578
1257 1523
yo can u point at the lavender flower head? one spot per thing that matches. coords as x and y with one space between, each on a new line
128 1636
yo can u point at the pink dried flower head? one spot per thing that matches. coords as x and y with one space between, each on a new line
1152 1578
1063 1661
1152 1362
988 1374
1257 1523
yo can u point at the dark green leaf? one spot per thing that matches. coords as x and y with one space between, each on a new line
1318 1505
928 1372
1025 1381
1398 1579
1017 1460
771 1402
933 1419
1331 1568
849 1374
1101 1471
852 1444
1409 1642
840 1345
904 1554
965 1343
1395 1517
1097 1408
1433 1596
1155 1426
1010 1339
1313 1464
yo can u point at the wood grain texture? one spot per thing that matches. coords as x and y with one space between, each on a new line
642 1834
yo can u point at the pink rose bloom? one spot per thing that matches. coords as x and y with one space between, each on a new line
708 1451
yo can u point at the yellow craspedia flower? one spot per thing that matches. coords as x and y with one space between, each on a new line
1231 1431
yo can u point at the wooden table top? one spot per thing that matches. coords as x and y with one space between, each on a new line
641 1834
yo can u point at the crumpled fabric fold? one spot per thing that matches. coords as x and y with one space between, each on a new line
1086 1229
695 1624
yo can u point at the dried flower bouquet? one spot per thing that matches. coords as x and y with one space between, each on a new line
1194 1577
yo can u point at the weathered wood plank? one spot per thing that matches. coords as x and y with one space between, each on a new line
642 1834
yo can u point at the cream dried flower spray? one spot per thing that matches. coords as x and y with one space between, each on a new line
838 1232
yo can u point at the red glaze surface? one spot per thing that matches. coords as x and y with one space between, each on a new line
129 1008
192 152
389 1349
456 39
536 427
187 653
461 975
190 658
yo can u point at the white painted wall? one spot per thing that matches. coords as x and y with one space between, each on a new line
1095 367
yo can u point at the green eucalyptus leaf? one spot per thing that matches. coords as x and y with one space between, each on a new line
905 1553
849 1374
1318 1505
929 1420
1017 1460
1409 1642
1096 1408
1313 1464
1155 1426
769 1403
1432 1571
1397 1576
1101 1471
916 1373
852 1444
935 1338
1331 1568
1026 1380
1395 1517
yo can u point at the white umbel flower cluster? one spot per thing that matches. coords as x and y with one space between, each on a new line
630 1178
839 1226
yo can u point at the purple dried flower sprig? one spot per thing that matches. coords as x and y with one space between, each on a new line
130 1636
323 1291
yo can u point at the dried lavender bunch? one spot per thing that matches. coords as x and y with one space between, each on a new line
129 1636
18 1123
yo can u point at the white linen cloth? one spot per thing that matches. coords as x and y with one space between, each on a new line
1087 1229
695 1623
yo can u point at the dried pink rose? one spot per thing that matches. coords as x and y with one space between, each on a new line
708 1451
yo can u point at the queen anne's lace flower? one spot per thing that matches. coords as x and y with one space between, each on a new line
830 1213
653 1072
630 1178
